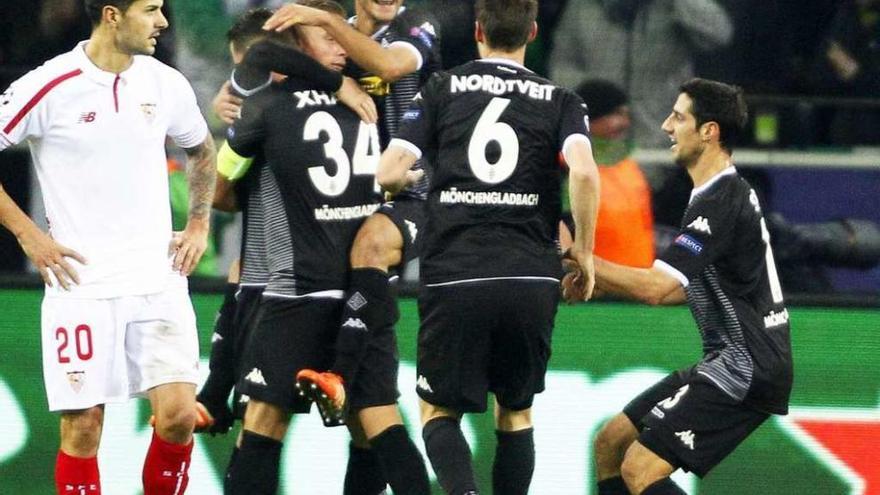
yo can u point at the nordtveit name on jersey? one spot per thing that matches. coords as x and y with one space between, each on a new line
498 86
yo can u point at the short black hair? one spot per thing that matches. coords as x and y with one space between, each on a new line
248 28
715 101
95 7
507 23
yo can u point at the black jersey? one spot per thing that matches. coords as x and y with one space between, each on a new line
419 31
722 257
323 159
491 131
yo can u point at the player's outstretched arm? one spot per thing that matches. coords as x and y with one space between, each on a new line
584 195
391 63
394 172
648 285
46 254
201 173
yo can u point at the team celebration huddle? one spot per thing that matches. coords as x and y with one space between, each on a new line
351 150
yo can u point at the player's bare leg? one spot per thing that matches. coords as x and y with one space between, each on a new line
168 458
447 449
76 467
515 451
645 472
256 467
378 246
609 448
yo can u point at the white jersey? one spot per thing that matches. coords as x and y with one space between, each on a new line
98 144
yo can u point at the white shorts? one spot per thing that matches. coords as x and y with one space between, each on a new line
97 351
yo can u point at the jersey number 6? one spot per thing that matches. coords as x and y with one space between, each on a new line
488 129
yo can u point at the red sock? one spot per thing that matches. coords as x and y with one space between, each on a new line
77 475
166 467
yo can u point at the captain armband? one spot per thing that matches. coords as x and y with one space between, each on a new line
230 164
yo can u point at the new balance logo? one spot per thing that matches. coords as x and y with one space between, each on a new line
356 301
687 438
701 224
355 323
413 230
423 384
87 117
256 376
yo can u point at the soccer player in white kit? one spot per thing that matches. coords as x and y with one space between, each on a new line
117 321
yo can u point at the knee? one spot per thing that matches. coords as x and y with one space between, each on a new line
632 472
615 437
378 244
510 420
81 431
176 423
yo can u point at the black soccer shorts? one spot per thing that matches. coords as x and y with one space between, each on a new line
690 423
408 215
489 336
291 334
376 383
244 320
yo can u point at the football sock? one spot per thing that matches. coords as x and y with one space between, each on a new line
76 475
613 486
215 391
450 455
514 462
401 461
364 475
166 467
255 470
663 487
226 475
368 307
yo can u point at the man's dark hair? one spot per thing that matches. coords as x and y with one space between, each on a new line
248 28
94 8
714 101
507 23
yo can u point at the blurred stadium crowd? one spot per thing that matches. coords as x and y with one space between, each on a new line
811 69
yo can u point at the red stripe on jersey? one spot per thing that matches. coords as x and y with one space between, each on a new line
37 97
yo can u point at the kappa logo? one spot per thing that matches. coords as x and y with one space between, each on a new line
76 379
355 323
422 383
356 301
701 224
413 229
216 337
256 376
687 438
87 117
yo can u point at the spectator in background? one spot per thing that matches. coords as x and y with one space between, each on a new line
645 46
624 228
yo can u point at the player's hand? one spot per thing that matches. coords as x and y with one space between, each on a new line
189 246
292 14
413 177
354 97
227 106
580 279
49 256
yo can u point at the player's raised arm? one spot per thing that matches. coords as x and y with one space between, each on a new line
389 63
